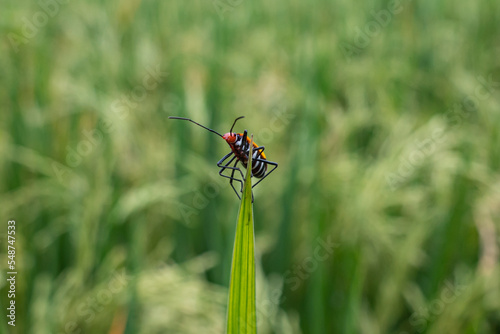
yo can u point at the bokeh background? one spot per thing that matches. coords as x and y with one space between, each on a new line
383 216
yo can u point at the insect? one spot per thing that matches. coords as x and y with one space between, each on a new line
240 148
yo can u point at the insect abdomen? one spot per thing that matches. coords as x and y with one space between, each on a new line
259 169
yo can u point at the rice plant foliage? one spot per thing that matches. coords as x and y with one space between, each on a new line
384 118
241 315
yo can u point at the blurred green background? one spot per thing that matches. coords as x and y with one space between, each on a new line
383 216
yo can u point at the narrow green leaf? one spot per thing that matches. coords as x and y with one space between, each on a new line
241 315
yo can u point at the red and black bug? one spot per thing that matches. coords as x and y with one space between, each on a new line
240 148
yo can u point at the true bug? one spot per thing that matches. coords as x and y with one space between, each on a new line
240 147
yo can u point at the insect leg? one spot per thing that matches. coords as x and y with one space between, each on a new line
232 179
245 141
260 149
274 164
226 166
219 164
233 169
245 145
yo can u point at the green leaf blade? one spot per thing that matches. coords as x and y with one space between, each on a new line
241 315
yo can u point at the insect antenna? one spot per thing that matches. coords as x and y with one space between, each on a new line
187 119
231 131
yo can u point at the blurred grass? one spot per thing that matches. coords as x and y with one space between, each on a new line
139 201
